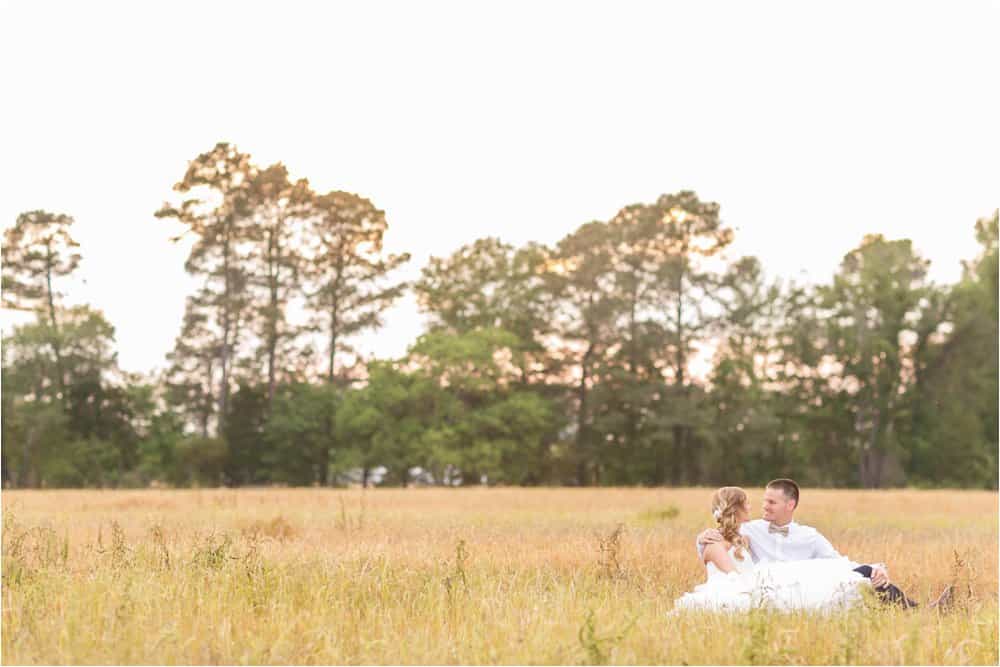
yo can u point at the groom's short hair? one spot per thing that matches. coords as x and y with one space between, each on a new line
788 487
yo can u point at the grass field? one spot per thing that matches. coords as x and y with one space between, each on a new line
434 576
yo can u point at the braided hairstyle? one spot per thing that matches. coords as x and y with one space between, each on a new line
726 503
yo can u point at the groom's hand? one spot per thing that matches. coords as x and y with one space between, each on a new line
710 536
880 576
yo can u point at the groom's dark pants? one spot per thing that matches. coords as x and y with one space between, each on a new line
888 593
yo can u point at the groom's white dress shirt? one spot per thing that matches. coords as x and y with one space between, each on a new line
801 543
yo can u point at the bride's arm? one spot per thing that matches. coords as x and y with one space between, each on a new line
718 554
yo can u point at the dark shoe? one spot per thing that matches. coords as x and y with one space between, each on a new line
945 600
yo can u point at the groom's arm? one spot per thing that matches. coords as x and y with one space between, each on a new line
823 549
706 537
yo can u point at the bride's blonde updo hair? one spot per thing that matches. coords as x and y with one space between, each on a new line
726 502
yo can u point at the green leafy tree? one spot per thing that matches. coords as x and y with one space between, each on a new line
34 420
100 409
660 287
160 430
485 423
580 273
34 434
386 422
200 461
280 209
301 447
218 211
687 233
246 462
38 251
347 270
489 283
954 411
85 437
875 304
189 379
746 399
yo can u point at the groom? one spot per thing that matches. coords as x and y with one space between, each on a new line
777 537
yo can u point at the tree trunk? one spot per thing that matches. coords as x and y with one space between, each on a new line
226 325
206 404
272 341
334 330
324 462
335 312
56 347
678 454
660 464
870 465
331 376
680 362
27 476
581 470
631 413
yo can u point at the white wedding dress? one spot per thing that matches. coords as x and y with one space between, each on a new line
820 584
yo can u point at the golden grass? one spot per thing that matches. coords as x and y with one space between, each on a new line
431 576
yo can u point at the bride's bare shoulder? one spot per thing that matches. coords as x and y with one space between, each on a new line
715 550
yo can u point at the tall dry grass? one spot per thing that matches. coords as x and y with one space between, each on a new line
430 576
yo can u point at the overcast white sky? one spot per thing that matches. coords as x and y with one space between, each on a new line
811 124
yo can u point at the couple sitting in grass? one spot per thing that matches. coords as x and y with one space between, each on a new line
776 563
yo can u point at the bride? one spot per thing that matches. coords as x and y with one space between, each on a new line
736 583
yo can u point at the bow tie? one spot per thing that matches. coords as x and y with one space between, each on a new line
771 528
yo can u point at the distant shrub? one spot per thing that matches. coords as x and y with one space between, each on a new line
659 514
277 528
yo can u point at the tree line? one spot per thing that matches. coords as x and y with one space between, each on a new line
633 351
